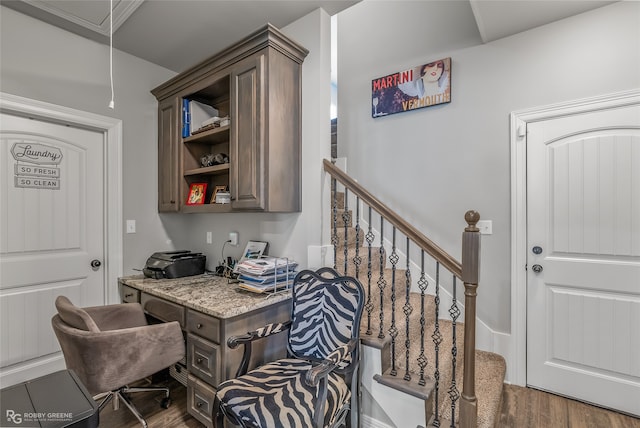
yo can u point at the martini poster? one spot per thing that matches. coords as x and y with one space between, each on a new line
422 86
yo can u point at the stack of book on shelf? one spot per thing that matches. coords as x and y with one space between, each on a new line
266 274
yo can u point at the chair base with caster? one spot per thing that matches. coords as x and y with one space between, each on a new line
122 394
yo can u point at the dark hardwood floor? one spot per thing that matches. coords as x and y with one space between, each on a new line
521 408
530 408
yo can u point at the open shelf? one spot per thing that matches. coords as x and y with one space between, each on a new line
209 170
210 136
206 208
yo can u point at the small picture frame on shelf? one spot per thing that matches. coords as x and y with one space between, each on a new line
216 190
197 192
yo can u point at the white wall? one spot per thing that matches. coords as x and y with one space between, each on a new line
431 165
42 62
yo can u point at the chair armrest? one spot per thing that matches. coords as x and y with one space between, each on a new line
269 329
246 339
331 361
119 316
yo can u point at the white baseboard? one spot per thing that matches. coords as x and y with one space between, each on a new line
367 421
32 369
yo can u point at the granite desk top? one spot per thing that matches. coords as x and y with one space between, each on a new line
208 294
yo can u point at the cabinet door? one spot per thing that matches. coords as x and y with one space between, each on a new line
247 145
168 162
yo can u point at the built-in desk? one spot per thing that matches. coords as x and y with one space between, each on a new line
210 310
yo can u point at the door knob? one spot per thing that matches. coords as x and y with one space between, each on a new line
95 264
536 268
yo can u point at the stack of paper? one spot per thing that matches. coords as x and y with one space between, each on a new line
266 274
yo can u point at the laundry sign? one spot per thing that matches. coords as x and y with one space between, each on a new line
36 165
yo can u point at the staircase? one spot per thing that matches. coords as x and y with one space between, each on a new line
413 318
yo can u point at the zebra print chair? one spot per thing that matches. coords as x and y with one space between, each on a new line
316 385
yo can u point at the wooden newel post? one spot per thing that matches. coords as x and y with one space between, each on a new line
470 277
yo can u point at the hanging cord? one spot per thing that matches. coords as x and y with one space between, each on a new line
111 103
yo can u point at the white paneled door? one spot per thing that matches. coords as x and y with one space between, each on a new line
51 232
583 263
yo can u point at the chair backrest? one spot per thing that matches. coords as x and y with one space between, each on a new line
326 313
74 316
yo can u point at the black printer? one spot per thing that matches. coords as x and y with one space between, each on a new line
174 264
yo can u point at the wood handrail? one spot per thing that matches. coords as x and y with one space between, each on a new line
440 255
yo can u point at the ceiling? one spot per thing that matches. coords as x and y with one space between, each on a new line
176 34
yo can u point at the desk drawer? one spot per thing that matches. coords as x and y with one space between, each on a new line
203 325
200 397
162 309
203 359
129 294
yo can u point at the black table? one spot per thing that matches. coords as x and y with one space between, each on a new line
55 400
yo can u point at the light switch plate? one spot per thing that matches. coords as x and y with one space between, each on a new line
485 226
131 226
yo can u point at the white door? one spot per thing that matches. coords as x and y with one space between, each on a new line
583 276
51 229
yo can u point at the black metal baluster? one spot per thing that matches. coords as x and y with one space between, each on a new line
382 283
437 340
334 234
393 330
422 284
345 215
454 394
357 260
369 304
407 309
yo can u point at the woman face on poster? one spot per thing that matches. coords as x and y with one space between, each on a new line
433 71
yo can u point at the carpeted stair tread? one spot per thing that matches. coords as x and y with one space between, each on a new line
363 253
490 372
339 198
351 237
342 218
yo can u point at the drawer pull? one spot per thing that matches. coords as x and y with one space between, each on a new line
128 295
199 404
198 360
199 326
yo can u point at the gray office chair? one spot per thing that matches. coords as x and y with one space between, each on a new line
112 346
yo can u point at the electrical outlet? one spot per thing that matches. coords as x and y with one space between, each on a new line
485 226
233 238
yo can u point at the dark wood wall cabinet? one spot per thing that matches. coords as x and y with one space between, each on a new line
257 83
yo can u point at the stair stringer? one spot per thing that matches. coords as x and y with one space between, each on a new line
400 409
